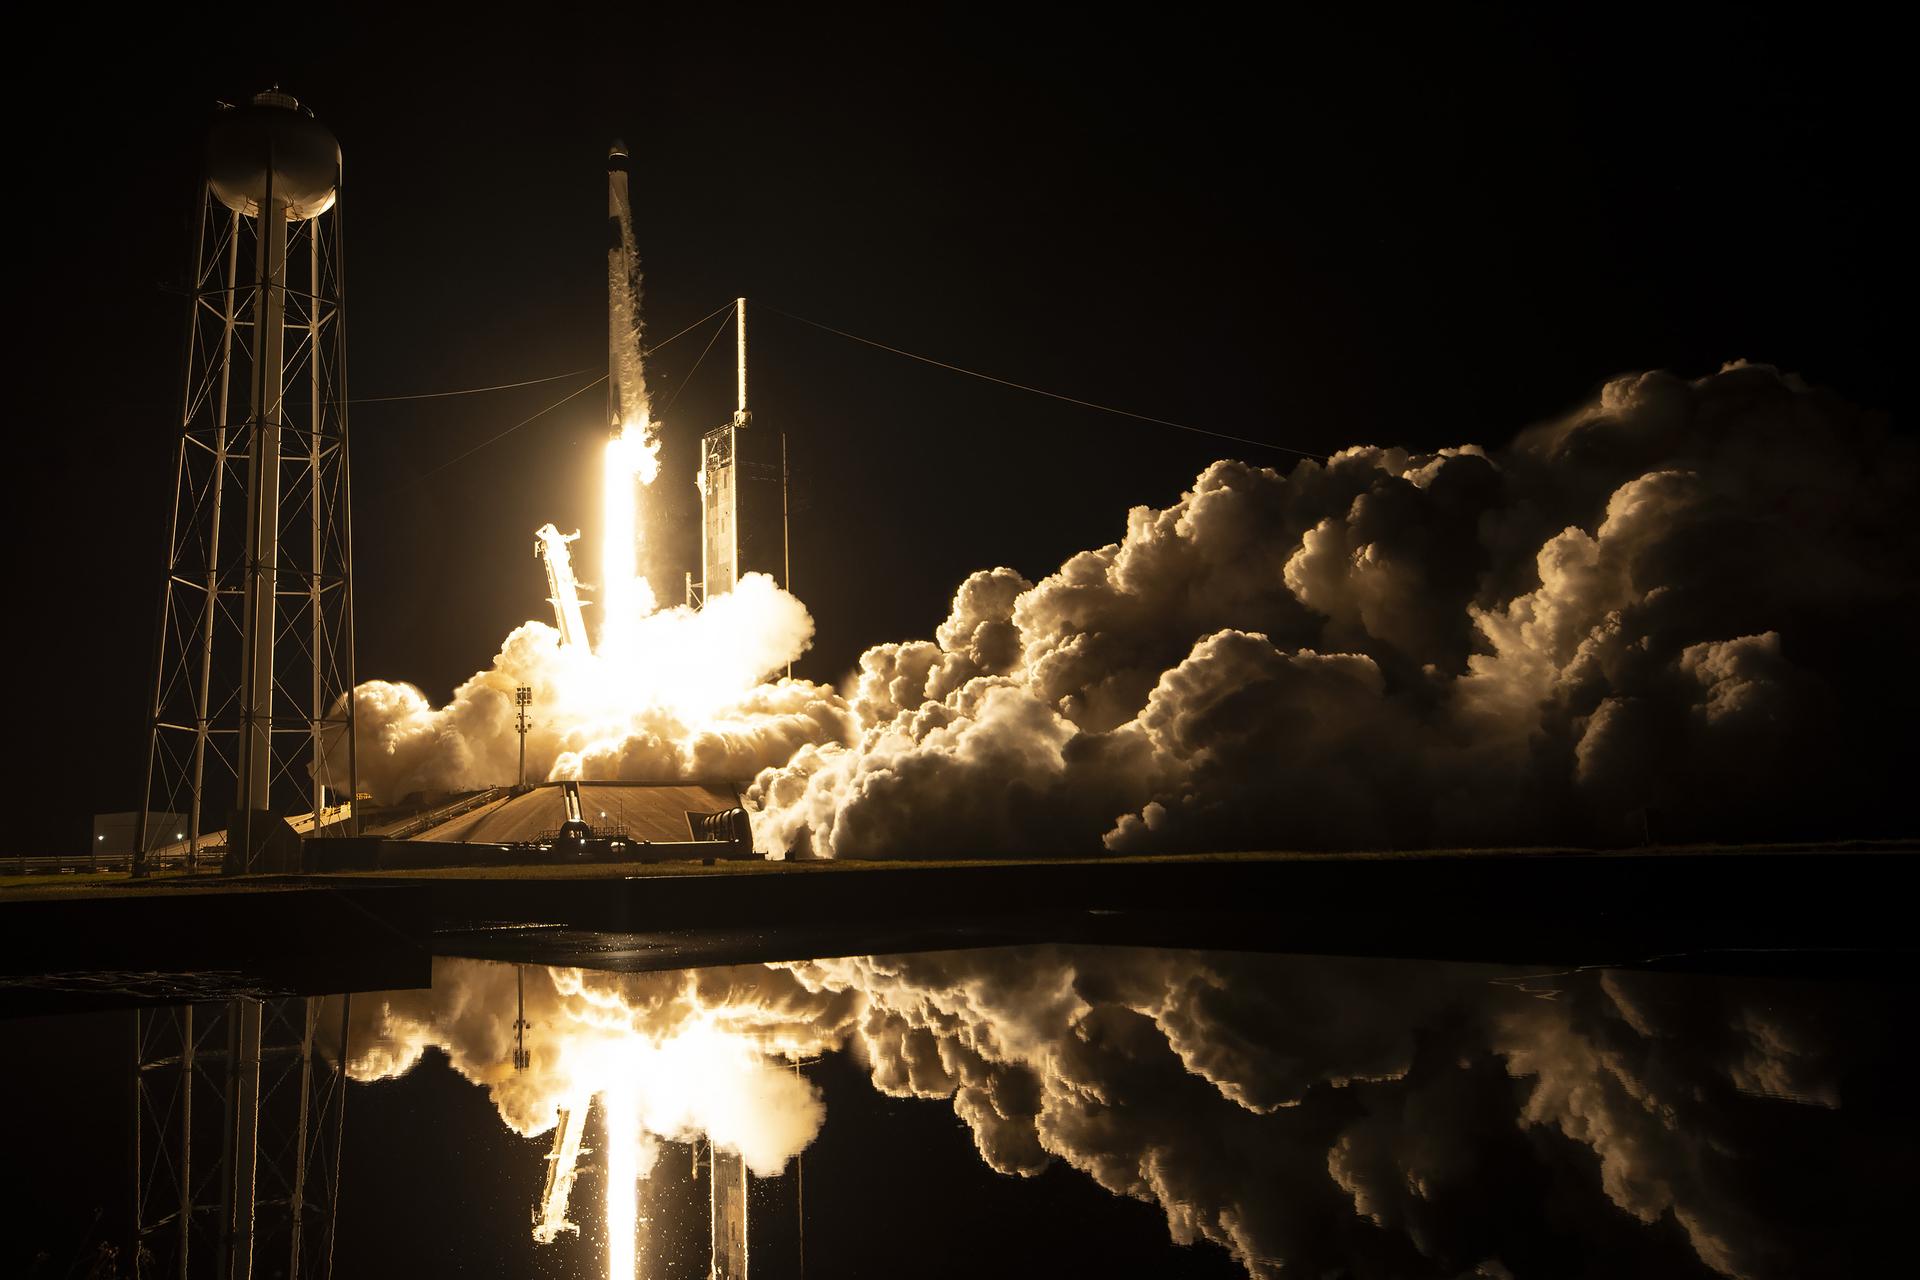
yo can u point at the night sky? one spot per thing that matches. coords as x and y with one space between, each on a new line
1425 229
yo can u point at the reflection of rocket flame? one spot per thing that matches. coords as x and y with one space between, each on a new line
667 1056
621 1116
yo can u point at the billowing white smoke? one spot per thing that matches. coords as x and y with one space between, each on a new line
681 698
1667 615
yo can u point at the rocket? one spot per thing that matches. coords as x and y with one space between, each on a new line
626 388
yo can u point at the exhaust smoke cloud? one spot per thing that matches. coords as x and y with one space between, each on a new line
1668 615
1673 614
682 698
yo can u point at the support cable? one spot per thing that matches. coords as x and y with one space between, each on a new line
1051 395
688 377
468 391
725 306
495 439
530 382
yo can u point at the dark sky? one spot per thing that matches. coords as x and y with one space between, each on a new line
1425 229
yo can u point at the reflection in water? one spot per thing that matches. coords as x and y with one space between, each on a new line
1304 1114
681 1056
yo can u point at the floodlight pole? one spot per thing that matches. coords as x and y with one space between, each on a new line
522 697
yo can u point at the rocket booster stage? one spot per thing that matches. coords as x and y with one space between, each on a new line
633 450
626 385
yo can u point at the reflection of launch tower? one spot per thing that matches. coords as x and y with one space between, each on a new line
729 1182
743 496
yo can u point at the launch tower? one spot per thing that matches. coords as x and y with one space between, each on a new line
743 495
251 717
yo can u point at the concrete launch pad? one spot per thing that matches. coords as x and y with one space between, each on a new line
643 813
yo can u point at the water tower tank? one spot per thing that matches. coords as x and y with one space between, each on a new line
273 135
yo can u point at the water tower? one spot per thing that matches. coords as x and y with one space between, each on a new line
251 722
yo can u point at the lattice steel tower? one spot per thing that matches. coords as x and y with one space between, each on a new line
252 712
238 1112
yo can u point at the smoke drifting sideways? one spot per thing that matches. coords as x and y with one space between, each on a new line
1309 1115
1679 613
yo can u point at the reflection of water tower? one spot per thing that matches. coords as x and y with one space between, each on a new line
255 653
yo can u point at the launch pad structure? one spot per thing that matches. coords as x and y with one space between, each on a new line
743 494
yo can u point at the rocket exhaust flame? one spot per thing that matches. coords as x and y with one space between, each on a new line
631 463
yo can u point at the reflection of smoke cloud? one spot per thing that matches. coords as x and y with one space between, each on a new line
1311 1116
1679 602
679 699
695 1051
1371 1118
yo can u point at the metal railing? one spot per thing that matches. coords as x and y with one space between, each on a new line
445 813
173 855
